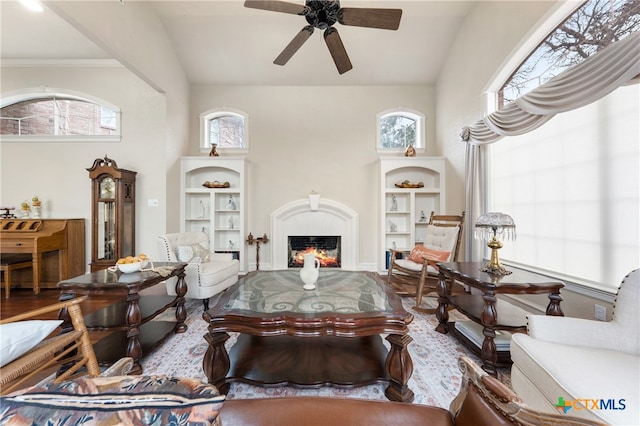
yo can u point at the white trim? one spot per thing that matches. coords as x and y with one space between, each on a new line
60 138
205 145
420 129
60 63
558 13
19 95
45 92
577 285
298 214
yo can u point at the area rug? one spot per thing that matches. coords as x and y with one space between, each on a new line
435 380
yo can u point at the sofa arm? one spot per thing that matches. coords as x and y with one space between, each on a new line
575 331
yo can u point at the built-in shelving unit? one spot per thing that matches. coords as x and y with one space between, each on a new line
404 212
219 212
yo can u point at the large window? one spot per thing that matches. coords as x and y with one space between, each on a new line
573 189
227 129
57 116
397 129
573 185
592 27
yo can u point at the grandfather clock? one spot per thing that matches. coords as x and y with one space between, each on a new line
113 213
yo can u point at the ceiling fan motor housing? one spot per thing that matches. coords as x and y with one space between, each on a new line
322 13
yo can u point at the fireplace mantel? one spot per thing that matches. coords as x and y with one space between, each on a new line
297 218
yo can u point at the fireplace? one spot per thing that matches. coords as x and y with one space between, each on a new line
325 248
297 218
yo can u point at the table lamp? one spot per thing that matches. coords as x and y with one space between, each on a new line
494 228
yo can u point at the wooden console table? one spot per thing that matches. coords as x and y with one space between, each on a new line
134 334
482 308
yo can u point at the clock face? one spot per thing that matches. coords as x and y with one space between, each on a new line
107 188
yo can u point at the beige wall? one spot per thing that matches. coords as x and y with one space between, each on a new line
56 172
322 138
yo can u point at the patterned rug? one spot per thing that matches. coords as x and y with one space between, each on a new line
435 380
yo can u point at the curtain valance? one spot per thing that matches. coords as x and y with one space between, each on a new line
580 85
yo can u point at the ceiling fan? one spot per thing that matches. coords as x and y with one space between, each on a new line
322 14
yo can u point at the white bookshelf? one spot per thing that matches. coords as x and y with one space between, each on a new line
219 212
400 222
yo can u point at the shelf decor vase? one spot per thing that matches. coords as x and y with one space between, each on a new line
309 272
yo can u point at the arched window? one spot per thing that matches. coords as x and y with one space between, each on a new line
226 128
570 184
399 128
57 115
590 28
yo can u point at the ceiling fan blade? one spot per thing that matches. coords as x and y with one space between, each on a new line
386 19
277 6
294 45
337 50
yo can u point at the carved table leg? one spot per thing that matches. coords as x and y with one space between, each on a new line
554 308
134 317
216 362
489 353
181 312
442 312
399 368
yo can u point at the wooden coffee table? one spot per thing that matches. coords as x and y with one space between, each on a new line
326 336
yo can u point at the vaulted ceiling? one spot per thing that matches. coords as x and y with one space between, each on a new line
222 42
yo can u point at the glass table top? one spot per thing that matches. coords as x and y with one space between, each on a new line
336 291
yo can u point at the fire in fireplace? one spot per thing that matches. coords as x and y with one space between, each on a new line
325 248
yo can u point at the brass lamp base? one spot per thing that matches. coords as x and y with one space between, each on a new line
494 266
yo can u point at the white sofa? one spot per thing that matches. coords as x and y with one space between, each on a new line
572 358
207 273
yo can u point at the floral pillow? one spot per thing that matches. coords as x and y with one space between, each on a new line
420 252
196 253
120 400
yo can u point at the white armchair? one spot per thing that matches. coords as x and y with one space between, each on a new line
577 358
207 273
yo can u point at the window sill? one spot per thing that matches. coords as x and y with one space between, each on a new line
61 139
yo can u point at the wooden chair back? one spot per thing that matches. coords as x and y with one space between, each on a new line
72 349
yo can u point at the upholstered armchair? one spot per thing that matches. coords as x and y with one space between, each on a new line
573 358
207 273
417 274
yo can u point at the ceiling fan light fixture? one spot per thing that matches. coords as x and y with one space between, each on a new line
323 14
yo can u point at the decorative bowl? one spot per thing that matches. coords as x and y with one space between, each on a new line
127 268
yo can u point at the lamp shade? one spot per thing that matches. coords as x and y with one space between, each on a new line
495 225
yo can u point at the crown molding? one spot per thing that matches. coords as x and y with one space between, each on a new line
59 63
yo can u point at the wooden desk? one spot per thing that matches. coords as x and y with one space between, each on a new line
130 318
64 237
483 308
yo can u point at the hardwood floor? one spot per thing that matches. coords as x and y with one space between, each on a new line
23 299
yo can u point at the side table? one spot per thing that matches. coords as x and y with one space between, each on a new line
134 334
482 308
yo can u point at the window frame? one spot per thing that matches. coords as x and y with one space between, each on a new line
207 116
51 93
417 116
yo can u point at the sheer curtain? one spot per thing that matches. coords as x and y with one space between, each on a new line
581 85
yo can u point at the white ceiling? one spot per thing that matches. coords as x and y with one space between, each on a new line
222 42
